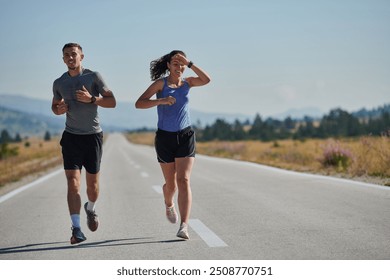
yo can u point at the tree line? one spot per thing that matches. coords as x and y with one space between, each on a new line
337 123
5 137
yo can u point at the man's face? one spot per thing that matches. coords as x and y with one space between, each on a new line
72 57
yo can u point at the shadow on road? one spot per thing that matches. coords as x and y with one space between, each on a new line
50 246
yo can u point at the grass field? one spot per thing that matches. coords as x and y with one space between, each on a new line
33 155
364 158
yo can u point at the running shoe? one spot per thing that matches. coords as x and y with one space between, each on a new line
183 231
92 218
77 236
171 214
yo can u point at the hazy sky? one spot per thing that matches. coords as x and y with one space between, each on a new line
264 56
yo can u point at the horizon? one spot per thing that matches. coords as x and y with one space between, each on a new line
231 114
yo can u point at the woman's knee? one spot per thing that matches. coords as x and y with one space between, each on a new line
183 181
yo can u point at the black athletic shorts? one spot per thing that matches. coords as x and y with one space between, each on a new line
82 150
171 145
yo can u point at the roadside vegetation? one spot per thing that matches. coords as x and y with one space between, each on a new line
354 146
365 158
29 156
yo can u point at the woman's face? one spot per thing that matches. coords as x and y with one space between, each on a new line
176 68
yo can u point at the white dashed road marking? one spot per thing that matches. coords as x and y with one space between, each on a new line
157 189
208 236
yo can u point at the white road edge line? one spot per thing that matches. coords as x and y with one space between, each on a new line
32 184
208 236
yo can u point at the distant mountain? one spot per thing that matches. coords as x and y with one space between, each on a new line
31 116
124 117
294 113
26 104
28 124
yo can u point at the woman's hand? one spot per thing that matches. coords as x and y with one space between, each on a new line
170 100
181 59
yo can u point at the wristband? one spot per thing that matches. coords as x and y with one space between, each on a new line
190 64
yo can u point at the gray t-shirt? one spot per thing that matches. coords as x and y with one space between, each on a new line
81 118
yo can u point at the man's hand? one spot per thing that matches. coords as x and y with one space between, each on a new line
62 107
83 95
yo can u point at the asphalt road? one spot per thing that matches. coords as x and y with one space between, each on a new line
240 211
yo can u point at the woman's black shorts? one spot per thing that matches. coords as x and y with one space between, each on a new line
171 145
82 150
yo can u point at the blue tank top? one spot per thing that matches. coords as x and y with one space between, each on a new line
177 116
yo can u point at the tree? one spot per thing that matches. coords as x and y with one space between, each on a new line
255 131
6 151
220 130
5 137
18 139
339 123
47 136
262 130
238 131
306 129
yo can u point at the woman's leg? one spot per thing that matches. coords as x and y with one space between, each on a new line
169 188
183 175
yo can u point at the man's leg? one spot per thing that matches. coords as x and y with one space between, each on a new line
74 198
92 194
74 204
92 186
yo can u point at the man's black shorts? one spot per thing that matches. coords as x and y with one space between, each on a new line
171 145
82 150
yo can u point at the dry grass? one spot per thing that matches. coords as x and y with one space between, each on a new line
34 155
143 138
285 154
370 156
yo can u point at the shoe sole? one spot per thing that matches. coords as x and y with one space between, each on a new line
92 225
75 241
184 235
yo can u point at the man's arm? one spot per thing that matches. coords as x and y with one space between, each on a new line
107 100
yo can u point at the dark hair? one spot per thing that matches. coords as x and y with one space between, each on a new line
159 68
71 45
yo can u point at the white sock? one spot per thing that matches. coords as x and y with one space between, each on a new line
91 206
75 220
